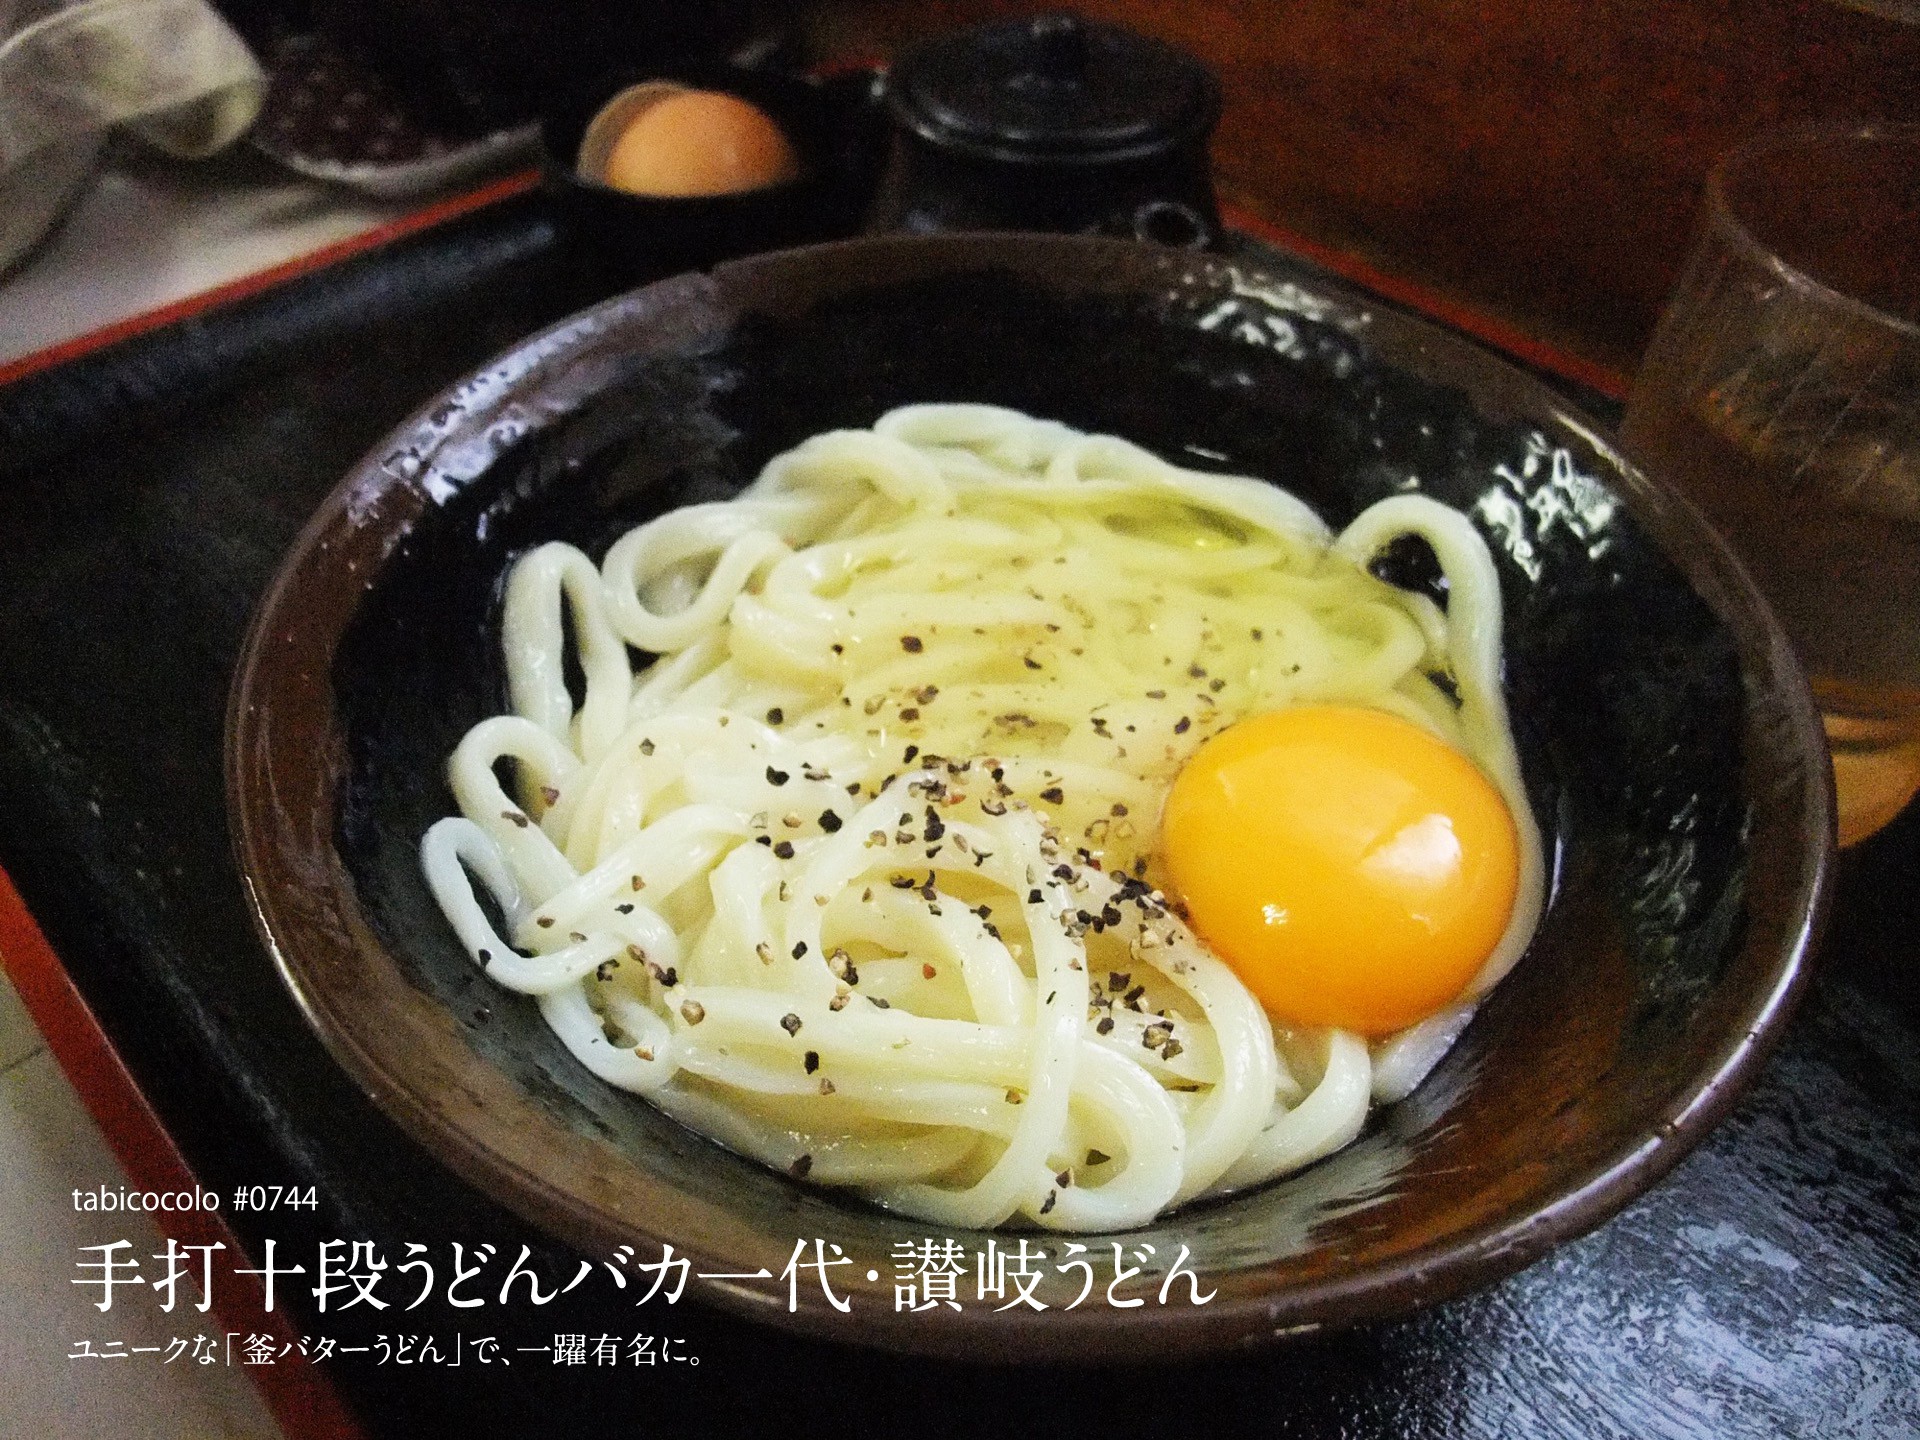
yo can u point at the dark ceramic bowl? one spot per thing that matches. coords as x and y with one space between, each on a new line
1668 741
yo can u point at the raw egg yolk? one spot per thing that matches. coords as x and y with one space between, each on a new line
1354 870
699 142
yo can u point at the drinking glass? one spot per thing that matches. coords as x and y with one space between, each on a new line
1781 392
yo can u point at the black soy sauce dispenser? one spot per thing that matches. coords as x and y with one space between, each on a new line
1051 123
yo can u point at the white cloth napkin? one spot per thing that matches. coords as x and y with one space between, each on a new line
172 71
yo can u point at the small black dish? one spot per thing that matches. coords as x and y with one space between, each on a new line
834 125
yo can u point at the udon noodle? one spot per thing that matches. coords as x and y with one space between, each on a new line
857 876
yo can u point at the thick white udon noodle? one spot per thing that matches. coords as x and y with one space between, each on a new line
633 855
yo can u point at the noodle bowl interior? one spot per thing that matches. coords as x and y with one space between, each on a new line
863 873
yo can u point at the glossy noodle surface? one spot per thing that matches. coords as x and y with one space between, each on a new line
861 876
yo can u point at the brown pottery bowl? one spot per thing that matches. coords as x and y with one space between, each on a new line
1667 737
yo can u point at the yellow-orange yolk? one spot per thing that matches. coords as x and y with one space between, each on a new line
1353 869
700 142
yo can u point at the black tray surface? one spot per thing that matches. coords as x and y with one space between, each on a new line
1771 1286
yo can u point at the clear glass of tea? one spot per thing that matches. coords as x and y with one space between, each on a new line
1781 392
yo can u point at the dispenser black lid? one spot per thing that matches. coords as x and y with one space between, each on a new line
1055 88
